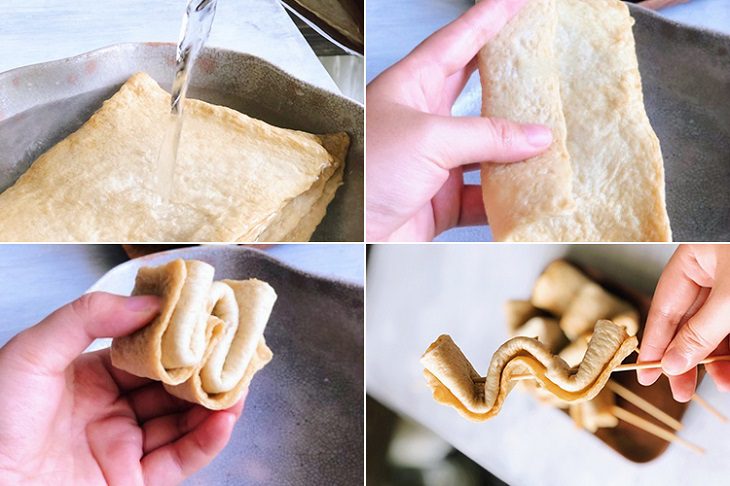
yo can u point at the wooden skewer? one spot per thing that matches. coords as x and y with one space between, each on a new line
653 429
626 367
704 404
521 377
641 403
658 364
635 399
644 405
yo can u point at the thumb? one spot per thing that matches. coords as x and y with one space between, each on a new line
51 345
465 140
701 334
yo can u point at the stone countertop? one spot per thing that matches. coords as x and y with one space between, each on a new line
36 31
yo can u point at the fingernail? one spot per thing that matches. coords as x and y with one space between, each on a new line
537 135
143 303
675 363
646 379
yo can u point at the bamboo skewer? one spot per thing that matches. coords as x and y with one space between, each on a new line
641 403
518 378
644 405
658 364
653 429
636 400
706 405
628 367
700 401
649 408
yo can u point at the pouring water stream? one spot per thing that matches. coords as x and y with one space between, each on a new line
194 33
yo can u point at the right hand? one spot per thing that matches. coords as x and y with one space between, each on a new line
689 319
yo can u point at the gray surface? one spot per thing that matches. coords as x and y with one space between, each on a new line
417 292
35 31
36 279
707 14
686 80
41 104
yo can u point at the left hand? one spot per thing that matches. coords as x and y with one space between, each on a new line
659 4
417 152
72 418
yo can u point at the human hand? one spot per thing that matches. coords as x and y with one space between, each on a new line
72 418
417 151
659 4
689 319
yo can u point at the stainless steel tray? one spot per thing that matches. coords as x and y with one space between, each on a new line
43 103
686 78
303 418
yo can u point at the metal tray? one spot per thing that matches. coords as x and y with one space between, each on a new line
303 418
317 16
686 78
43 103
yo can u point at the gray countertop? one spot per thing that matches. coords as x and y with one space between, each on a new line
36 279
35 31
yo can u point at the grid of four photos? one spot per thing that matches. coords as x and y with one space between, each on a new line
345 242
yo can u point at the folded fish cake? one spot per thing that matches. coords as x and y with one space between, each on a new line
236 178
454 382
208 340
605 157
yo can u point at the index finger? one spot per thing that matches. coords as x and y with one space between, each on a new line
52 344
125 381
674 298
453 46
